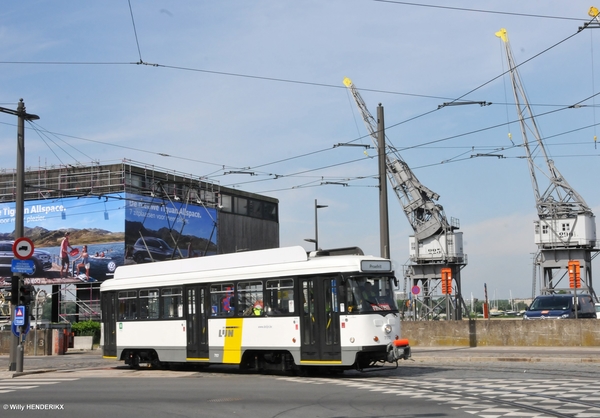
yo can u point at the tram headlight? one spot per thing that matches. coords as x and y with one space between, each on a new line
387 328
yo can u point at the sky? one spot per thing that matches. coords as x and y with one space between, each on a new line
207 88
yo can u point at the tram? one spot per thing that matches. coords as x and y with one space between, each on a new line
277 309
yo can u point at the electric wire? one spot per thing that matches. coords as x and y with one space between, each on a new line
313 84
137 42
593 86
465 9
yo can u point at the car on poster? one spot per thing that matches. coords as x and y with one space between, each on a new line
152 249
42 260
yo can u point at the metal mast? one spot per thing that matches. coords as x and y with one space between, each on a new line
566 229
435 244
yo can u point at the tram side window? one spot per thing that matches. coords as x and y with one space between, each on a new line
127 305
279 297
149 304
250 298
331 297
222 299
172 303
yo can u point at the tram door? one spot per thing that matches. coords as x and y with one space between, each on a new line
319 318
109 323
197 313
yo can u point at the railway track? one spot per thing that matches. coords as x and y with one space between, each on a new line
495 391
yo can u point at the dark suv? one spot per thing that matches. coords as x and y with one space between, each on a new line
42 260
560 306
152 249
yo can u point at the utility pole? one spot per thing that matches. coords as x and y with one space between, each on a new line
16 350
384 228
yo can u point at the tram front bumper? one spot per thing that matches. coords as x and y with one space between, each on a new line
398 350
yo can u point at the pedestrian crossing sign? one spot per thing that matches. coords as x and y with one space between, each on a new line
19 315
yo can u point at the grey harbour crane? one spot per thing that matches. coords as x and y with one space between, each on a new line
436 249
565 231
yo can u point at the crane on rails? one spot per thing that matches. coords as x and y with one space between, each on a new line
565 231
436 248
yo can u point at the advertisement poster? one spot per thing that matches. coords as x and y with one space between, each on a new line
104 233
93 222
162 229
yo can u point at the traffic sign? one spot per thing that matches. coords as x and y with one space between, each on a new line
23 248
416 290
19 316
22 266
17 332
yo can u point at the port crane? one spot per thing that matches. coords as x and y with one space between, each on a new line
565 231
436 248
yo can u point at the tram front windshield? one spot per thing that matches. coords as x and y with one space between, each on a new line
369 294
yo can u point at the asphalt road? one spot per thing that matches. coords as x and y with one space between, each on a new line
77 360
445 382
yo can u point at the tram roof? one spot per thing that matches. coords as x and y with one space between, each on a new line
277 262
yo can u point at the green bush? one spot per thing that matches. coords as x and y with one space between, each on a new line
87 328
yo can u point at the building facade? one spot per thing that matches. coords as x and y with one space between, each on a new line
125 213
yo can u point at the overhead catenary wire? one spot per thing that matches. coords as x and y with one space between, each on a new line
290 81
137 42
467 9
593 76
296 174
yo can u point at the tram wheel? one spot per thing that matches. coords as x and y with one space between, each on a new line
134 363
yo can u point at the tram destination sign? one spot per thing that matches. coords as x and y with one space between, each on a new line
376 265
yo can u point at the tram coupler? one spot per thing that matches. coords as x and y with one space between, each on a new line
398 350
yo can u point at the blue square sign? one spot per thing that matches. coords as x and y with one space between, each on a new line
22 266
19 316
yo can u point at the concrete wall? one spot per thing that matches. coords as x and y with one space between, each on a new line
518 332
43 339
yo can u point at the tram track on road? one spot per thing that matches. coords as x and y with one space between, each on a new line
472 389
543 370
539 396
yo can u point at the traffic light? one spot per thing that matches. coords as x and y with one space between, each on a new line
447 281
14 291
25 295
574 274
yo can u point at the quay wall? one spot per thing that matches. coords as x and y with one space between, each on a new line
500 332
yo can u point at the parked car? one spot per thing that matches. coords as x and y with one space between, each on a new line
152 249
560 306
42 260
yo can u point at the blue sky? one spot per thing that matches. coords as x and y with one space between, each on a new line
258 86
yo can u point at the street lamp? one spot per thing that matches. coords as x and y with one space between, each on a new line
316 239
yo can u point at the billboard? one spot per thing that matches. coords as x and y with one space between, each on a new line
91 221
103 233
159 229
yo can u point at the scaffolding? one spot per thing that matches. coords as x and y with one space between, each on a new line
52 182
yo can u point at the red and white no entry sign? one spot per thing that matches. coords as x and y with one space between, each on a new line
23 248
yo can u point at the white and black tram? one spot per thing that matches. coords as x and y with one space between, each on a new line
278 309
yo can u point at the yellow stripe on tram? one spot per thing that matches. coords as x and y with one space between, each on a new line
196 359
232 348
110 357
320 362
